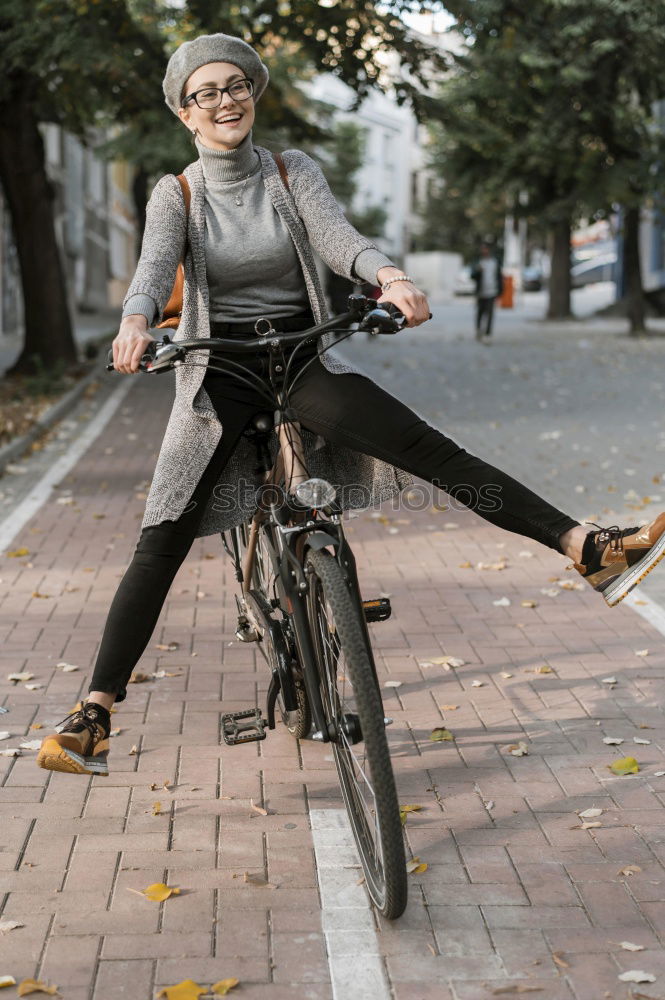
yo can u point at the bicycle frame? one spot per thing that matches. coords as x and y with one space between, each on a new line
286 546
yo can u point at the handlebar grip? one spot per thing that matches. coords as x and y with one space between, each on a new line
391 308
148 355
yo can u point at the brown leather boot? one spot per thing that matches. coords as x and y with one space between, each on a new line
614 560
80 744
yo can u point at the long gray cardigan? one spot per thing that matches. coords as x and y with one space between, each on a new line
314 220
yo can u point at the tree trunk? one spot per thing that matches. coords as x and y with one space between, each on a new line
632 272
559 301
140 197
29 195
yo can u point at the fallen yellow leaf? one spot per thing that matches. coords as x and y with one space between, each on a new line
27 986
157 892
222 987
629 946
516 988
447 661
626 765
16 554
186 990
260 881
259 809
405 810
448 708
441 734
629 870
156 808
7 981
558 959
415 866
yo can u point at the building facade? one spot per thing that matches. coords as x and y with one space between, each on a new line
95 228
385 177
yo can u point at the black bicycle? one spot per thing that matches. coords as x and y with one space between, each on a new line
300 601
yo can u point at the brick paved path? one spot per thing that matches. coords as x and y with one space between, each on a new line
516 893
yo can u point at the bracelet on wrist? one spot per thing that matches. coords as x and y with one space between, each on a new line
400 277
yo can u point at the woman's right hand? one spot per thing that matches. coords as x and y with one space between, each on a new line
130 344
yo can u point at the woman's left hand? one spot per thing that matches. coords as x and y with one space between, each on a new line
409 300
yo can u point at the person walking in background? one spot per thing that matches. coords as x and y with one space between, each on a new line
486 273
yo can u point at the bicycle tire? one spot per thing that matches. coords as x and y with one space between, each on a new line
333 613
298 721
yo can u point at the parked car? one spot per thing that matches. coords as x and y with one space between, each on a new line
464 283
532 279
587 272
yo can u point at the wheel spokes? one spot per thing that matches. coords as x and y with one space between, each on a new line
350 756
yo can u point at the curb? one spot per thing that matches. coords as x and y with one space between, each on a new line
14 449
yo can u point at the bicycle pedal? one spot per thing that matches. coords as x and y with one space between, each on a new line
243 727
245 631
377 610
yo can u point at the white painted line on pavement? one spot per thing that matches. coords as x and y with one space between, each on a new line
41 492
649 609
354 958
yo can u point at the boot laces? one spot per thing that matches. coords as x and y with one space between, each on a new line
81 718
612 536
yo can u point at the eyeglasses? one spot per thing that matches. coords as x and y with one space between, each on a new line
212 97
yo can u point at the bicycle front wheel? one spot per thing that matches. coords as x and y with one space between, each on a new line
353 704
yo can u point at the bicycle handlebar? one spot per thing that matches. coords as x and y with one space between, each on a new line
163 355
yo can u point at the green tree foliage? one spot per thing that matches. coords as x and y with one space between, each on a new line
454 218
550 111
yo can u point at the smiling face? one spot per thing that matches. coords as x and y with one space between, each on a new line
226 126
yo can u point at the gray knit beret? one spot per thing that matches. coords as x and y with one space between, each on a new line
206 49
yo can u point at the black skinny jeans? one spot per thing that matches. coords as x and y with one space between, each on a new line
484 316
348 410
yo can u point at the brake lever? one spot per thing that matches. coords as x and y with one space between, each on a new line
383 319
396 315
158 357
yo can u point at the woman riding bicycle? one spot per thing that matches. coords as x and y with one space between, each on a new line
248 241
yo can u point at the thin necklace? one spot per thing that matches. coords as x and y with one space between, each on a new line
240 193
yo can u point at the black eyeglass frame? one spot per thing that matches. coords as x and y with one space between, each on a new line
221 90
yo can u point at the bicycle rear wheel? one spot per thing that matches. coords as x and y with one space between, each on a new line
353 704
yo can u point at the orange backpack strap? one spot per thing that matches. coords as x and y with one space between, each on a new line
186 192
173 308
281 166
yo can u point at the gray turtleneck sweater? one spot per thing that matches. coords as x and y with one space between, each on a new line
251 262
